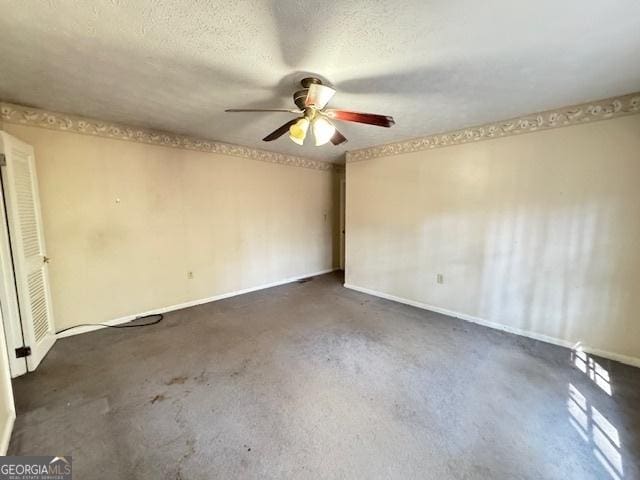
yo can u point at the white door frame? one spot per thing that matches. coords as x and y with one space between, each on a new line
9 298
343 197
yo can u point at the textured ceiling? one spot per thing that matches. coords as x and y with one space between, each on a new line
433 65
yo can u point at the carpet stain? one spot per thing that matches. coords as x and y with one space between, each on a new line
242 369
158 398
202 378
177 380
191 443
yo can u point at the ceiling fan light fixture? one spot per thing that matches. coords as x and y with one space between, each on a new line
319 95
311 102
298 131
323 130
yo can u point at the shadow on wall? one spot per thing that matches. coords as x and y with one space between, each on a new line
563 271
560 273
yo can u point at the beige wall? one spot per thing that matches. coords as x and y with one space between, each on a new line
538 233
124 223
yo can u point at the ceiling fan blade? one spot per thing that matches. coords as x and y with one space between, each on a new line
278 132
368 118
236 110
319 95
338 138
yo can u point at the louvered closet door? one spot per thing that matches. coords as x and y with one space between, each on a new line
27 246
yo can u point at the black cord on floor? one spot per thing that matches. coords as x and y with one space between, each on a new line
154 322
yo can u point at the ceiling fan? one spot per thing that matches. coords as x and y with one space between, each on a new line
311 102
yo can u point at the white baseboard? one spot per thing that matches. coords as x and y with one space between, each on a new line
192 303
633 361
5 437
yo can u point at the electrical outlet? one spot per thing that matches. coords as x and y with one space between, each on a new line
190 275
439 278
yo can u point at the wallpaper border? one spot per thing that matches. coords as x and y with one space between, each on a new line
560 117
35 117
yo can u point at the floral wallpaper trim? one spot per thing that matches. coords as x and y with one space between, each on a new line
561 117
19 114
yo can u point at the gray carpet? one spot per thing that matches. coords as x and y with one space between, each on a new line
311 380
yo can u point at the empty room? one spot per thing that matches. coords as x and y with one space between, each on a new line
285 239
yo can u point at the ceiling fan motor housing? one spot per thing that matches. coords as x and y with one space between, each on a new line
299 98
307 81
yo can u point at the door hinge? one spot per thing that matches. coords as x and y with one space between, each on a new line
3 160
23 352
